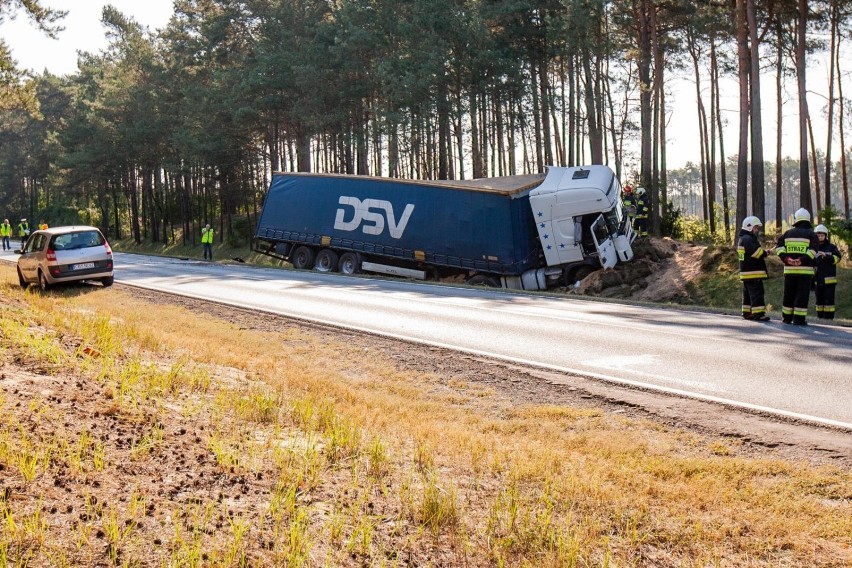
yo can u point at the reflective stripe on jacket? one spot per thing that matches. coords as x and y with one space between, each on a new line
799 242
641 207
826 266
751 256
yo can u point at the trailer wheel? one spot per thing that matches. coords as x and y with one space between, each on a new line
302 257
350 263
327 261
483 280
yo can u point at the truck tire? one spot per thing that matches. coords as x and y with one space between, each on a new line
303 257
350 263
579 274
327 261
483 280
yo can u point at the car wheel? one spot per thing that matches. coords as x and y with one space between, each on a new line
42 281
107 281
21 281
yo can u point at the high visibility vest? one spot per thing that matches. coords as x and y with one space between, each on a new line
5 230
207 236
42 227
22 229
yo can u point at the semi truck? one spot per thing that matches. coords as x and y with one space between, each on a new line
527 232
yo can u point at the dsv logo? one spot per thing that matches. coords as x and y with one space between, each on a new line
373 221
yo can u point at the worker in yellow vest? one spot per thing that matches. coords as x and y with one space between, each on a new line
207 241
5 233
23 231
42 226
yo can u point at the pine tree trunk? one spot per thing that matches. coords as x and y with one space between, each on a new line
843 176
723 167
743 73
804 172
830 118
474 137
595 137
779 136
758 183
544 88
816 169
711 149
645 88
572 115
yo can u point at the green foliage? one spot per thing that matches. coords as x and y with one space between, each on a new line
839 228
697 230
670 224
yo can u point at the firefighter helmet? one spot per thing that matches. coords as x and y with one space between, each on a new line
751 222
640 191
802 215
821 229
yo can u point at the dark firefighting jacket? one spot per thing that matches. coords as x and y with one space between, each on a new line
826 265
752 257
799 242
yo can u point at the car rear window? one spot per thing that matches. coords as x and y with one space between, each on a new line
82 239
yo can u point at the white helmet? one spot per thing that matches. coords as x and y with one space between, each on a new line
821 229
751 222
640 191
801 215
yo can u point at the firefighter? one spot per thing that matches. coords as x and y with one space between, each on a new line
641 221
827 257
629 202
752 270
797 248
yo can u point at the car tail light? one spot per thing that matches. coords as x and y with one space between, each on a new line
50 254
108 250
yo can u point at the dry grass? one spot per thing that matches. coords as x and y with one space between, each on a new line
301 452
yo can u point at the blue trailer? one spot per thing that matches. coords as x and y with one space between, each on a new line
491 231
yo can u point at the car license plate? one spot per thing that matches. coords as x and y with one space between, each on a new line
82 266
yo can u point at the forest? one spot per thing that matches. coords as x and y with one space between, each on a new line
169 129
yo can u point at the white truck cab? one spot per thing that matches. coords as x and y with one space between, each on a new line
580 219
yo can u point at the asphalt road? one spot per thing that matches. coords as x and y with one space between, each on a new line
803 373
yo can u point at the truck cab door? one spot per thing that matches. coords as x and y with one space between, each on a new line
603 243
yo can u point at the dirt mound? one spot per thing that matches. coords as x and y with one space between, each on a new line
660 272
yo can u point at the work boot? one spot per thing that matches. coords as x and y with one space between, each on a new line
799 320
760 317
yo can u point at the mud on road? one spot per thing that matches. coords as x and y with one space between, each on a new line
755 433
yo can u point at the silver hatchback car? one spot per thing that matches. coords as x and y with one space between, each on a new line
65 254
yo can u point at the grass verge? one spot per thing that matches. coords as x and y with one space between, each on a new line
142 434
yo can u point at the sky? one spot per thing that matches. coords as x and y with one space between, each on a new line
84 32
